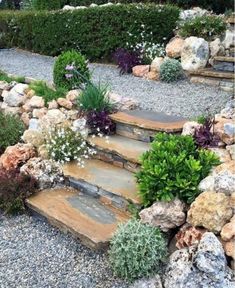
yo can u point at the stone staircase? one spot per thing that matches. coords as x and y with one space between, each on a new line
222 72
95 199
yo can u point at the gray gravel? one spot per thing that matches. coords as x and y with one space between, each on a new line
34 254
181 98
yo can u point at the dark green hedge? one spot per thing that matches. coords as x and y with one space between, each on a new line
97 32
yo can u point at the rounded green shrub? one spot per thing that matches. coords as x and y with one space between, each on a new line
173 168
63 78
136 250
47 5
11 130
171 70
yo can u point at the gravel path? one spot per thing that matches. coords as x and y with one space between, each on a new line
181 98
33 254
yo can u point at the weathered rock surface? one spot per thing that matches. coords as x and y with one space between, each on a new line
174 47
210 210
189 128
195 53
225 129
165 215
156 64
229 248
52 104
65 103
53 117
231 150
229 38
15 97
72 95
34 137
192 13
16 155
39 112
223 154
36 102
154 282
202 266
228 231
216 48
122 103
140 70
225 182
47 172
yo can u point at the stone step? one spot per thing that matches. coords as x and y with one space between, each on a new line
224 84
84 216
222 63
120 151
207 72
111 184
232 51
143 125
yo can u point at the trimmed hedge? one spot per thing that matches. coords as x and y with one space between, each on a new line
96 32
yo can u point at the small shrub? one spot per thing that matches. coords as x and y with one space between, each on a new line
126 60
95 98
203 26
99 122
171 70
62 77
14 189
204 136
48 94
11 130
173 168
137 250
65 145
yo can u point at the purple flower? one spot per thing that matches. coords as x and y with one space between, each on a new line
68 76
69 67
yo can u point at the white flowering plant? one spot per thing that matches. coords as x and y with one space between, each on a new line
65 144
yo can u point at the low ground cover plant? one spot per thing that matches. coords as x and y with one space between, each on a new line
14 189
12 129
173 168
171 70
137 250
5 77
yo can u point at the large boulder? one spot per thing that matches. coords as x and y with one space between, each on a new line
195 53
210 210
165 215
174 47
16 96
202 266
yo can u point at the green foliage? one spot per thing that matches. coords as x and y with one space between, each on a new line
47 4
136 250
79 63
203 26
201 119
5 77
96 32
48 94
173 168
94 97
11 130
171 70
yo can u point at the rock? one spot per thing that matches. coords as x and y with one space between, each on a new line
189 128
229 248
34 124
152 76
122 103
30 93
223 154
232 202
225 130
39 113
207 184
25 118
229 39
231 150
156 63
16 155
65 103
174 47
140 70
202 266
72 95
210 210
228 231
192 13
34 137
228 113
42 152
225 182
216 48
165 215
11 110
36 102
224 167
195 53
16 97
154 282
52 104
188 236
52 118
47 172
3 86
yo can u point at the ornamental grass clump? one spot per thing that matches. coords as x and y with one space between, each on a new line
171 70
137 250
173 168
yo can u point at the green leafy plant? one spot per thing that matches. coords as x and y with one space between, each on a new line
74 60
48 94
203 26
173 168
136 250
47 5
5 77
11 130
171 70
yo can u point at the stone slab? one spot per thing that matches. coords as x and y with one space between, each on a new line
103 175
224 59
213 73
87 218
126 148
156 121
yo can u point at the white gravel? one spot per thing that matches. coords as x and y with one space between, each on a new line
33 254
181 98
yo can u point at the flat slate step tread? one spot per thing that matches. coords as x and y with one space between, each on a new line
128 149
213 73
110 178
84 216
150 120
224 59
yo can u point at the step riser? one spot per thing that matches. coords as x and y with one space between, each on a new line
224 85
224 66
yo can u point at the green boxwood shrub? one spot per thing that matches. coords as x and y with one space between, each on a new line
96 32
171 70
173 168
203 26
137 250
47 4
11 130
78 61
